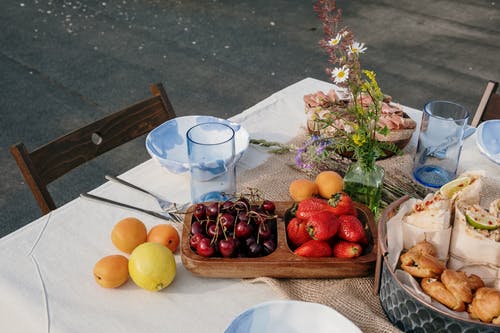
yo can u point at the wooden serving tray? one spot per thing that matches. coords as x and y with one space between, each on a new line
283 263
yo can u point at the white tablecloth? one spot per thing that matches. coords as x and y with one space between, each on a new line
46 281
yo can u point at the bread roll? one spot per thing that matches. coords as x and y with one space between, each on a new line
485 305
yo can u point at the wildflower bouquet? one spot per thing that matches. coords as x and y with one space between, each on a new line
353 128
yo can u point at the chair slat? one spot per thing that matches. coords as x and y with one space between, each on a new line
56 158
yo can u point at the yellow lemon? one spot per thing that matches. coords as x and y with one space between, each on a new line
152 266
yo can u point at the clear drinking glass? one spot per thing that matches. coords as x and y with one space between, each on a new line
439 143
211 155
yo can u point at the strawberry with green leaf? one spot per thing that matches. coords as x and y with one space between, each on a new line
342 204
322 225
345 249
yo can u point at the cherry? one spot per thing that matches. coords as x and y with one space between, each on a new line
204 248
254 250
243 216
227 229
265 231
250 240
196 228
227 207
212 209
214 231
259 219
268 206
227 247
242 204
242 229
227 221
195 239
269 246
199 211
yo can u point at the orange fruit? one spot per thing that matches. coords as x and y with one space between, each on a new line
301 189
329 183
111 271
164 234
128 233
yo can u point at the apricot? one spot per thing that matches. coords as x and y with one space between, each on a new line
301 189
128 233
329 182
164 234
111 271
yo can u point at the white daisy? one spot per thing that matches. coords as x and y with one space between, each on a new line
357 48
335 41
340 75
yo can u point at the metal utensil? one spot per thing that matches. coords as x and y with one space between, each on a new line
165 205
161 215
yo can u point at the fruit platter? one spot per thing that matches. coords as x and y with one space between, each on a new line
245 239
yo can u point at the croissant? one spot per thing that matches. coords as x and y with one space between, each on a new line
424 247
421 265
437 290
458 284
485 305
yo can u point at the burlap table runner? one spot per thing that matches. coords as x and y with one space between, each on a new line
352 297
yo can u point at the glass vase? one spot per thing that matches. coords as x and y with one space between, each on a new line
364 184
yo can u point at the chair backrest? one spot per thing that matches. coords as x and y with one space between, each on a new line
489 106
56 158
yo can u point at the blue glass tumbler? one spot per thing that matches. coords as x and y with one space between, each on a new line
211 155
439 143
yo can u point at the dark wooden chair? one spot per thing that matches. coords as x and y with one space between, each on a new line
45 164
489 106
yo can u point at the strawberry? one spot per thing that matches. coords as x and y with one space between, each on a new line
314 248
351 229
311 206
322 225
297 232
344 249
342 204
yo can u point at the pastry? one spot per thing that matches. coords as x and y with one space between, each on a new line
420 261
458 284
485 305
475 282
437 290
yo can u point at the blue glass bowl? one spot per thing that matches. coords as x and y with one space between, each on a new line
167 142
288 316
488 139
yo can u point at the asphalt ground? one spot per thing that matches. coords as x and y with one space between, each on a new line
65 63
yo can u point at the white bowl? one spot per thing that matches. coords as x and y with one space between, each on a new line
488 139
291 317
167 142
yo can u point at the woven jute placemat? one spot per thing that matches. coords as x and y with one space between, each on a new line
354 298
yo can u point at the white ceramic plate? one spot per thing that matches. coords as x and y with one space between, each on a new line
167 142
488 139
291 317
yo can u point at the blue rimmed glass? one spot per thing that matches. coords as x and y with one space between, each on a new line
439 143
211 154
